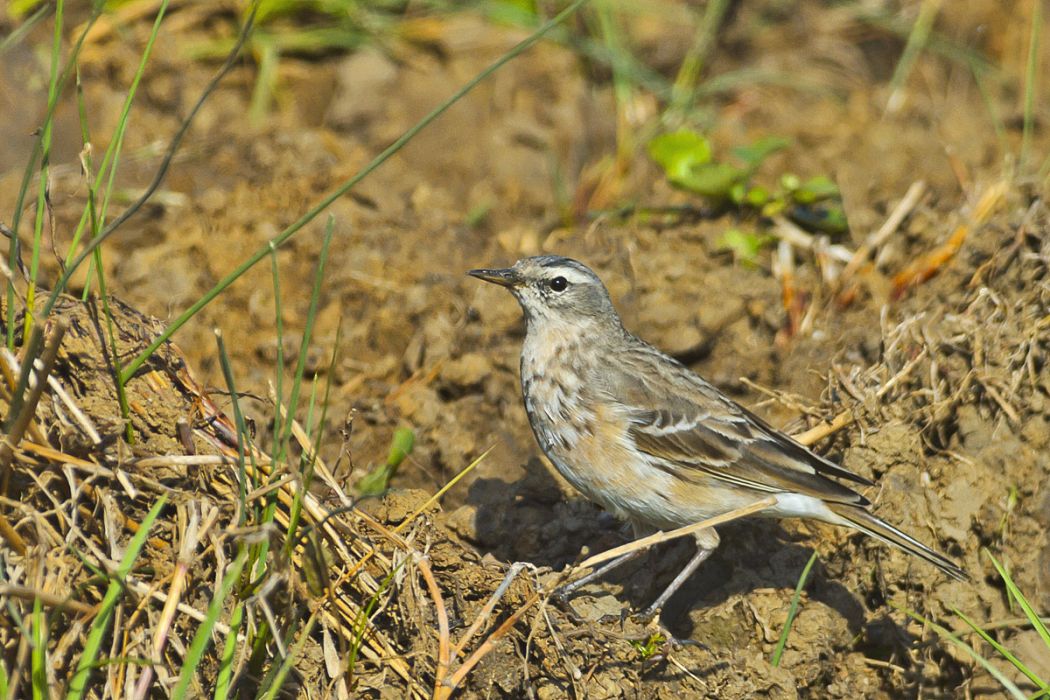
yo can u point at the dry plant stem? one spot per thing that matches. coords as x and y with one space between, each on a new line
490 605
347 611
443 633
926 266
657 538
821 431
49 599
461 673
187 461
444 489
320 467
793 234
309 451
81 419
34 430
190 539
876 239
18 428
142 589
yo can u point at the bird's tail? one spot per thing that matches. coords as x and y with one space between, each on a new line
859 518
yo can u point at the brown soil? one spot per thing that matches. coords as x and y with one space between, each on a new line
426 347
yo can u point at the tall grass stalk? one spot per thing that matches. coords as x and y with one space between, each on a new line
42 198
683 91
27 176
917 40
326 201
202 637
242 430
114 592
158 177
223 682
300 369
1030 80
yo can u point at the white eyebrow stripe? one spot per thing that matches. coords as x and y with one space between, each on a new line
573 275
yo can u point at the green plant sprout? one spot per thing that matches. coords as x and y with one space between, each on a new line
689 163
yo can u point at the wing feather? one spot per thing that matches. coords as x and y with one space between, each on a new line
700 432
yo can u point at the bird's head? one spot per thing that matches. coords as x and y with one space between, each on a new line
551 288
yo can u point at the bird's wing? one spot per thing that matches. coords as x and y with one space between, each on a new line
689 427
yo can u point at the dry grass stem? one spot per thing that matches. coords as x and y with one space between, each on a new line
657 538
878 238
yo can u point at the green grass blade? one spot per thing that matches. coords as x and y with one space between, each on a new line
223 682
684 89
1030 77
89 657
39 656
24 28
944 633
158 178
111 158
796 600
363 615
980 79
917 39
42 189
242 429
310 215
1006 653
268 56
273 683
278 447
27 176
295 512
1018 596
202 638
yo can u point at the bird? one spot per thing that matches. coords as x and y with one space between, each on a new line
651 441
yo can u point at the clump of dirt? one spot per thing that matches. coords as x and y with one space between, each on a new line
957 443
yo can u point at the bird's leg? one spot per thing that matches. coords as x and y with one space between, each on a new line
706 542
697 560
569 588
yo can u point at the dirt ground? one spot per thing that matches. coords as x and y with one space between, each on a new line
960 449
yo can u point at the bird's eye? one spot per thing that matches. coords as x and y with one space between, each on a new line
559 284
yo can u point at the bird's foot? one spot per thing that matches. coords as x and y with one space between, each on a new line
647 616
560 598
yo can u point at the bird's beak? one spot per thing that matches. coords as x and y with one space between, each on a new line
504 278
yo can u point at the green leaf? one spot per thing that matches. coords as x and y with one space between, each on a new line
745 245
400 447
828 218
815 189
648 647
774 206
790 182
711 180
679 152
377 481
761 149
757 196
